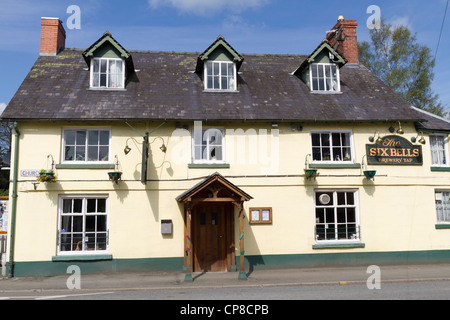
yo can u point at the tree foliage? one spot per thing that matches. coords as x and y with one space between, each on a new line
406 66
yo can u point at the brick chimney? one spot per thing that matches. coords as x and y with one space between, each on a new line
343 39
53 37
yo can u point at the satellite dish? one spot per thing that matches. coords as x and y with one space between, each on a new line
324 199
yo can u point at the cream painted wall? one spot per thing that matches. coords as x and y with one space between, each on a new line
396 211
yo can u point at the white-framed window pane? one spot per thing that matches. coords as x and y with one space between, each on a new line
331 146
209 145
115 73
96 65
86 145
438 150
224 83
336 216
443 206
220 75
107 73
209 84
209 68
92 153
83 225
216 82
324 77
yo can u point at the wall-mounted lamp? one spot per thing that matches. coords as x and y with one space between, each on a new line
275 124
399 130
127 149
421 140
379 139
163 148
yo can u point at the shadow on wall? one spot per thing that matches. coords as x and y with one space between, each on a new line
252 253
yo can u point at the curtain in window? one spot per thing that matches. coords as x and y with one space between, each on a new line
437 150
220 76
443 208
115 73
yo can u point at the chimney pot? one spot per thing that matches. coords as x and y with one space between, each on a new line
53 37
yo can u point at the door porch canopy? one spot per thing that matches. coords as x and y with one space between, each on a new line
213 189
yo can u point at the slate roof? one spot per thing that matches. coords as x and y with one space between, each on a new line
165 87
432 122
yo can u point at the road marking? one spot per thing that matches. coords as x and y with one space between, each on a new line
71 295
53 297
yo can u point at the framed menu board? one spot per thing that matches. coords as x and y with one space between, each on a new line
260 215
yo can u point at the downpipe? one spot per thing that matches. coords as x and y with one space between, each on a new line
12 217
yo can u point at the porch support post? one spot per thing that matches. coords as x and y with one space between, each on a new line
189 255
242 273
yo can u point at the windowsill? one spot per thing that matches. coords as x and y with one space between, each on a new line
339 245
326 92
107 89
221 91
208 165
440 169
85 166
335 165
82 257
442 226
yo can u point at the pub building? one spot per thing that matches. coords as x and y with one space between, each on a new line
219 161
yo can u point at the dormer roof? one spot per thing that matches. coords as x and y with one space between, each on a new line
324 47
108 40
216 45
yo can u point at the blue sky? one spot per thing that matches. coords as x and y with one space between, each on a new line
250 26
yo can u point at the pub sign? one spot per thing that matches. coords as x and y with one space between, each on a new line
394 150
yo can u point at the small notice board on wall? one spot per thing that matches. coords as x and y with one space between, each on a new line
260 215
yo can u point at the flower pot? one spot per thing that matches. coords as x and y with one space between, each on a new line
46 176
115 176
370 174
311 173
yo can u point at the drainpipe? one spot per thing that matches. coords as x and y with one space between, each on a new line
12 214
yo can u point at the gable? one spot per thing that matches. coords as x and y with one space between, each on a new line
107 50
219 50
324 53
214 186
108 47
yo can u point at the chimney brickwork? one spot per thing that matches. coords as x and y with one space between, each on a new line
343 39
53 37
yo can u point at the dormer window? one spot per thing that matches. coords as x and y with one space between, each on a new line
107 73
320 71
220 75
110 65
218 66
324 77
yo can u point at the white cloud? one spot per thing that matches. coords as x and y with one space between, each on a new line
401 21
2 107
210 6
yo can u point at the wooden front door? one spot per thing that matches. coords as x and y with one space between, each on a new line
210 237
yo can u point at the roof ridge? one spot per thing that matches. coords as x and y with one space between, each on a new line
195 52
430 114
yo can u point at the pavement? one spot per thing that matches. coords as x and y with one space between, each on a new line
257 278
